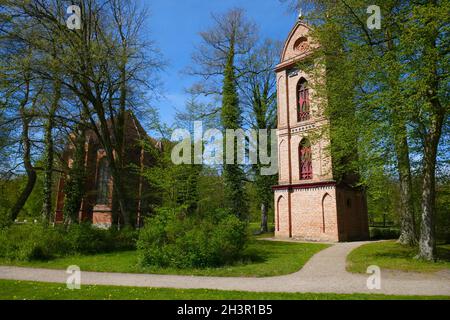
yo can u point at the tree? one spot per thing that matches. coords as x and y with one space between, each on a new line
25 143
258 89
425 37
399 82
105 88
21 95
232 119
177 185
220 64
74 188
49 153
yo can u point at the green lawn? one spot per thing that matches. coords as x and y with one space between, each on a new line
20 290
264 258
254 228
391 255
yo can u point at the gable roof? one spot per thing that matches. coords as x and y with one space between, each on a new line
290 53
133 131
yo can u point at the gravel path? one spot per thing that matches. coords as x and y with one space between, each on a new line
323 273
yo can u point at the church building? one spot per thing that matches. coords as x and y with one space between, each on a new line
99 205
309 203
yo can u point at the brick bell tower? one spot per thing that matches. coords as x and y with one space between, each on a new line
309 203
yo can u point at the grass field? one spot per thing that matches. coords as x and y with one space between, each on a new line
20 290
391 255
264 258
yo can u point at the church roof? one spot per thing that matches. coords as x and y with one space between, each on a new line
133 131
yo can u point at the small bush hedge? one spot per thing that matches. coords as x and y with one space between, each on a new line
171 240
30 242
378 233
85 239
34 242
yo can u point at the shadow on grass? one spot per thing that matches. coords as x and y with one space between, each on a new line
252 255
404 252
443 253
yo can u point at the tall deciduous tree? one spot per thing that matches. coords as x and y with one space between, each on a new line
26 106
426 48
219 63
402 86
105 64
258 90
49 160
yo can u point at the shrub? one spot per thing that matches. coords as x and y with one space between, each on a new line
5 221
83 238
378 233
34 242
124 239
86 239
171 240
31 242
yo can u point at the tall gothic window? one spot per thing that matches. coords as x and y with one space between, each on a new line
104 176
306 172
302 100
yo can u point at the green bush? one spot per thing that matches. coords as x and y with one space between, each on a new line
31 242
124 239
86 239
83 238
379 233
34 242
5 221
171 240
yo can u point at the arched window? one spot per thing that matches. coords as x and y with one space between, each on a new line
302 100
278 213
326 210
104 176
305 155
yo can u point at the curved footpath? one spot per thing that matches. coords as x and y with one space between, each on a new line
323 273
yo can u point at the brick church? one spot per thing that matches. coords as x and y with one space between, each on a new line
98 205
309 203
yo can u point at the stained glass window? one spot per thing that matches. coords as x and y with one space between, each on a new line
104 177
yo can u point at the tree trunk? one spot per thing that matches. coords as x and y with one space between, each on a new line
49 156
408 234
120 195
264 217
75 185
433 133
31 173
48 172
114 158
427 243
120 143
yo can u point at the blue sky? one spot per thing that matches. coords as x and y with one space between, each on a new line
174 26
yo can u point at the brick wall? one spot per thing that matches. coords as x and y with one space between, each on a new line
314 214
281 214
352 213
324 213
